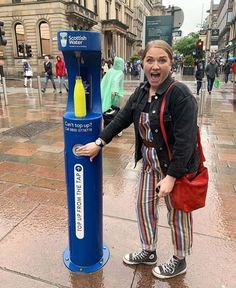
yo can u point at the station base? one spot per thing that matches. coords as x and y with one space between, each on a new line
86 269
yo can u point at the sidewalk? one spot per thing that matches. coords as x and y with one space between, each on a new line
33 214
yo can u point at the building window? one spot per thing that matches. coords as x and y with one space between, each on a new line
95 5
107 10
44 33
117 9
20 39
16 1
117 13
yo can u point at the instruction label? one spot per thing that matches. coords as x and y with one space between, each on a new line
79 200
78 127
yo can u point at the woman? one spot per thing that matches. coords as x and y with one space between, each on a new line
199 75
61 73
180 117
27 72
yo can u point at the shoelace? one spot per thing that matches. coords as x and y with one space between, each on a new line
170 267
140 255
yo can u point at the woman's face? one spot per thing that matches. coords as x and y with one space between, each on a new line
156 66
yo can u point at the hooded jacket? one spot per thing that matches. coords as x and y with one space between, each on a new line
60 67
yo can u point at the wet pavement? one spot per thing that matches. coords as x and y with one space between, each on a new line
33 214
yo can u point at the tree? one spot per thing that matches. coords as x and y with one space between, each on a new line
189 61
187 44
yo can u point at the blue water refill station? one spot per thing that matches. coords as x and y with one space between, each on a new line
86 251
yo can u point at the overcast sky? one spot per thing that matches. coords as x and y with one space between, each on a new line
194 12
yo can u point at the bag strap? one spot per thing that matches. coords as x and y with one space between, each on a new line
163 105
163 130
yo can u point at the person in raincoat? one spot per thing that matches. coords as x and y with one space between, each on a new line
112 85
61 73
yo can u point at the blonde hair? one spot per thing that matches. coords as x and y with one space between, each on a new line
158 44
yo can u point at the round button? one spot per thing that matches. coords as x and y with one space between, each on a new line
156 97
156 130
154 111
160 148
165 165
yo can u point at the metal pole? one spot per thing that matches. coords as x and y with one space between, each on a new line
4 88
39 90
202 99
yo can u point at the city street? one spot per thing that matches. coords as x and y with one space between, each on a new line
33 214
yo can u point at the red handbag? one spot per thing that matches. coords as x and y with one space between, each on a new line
189 192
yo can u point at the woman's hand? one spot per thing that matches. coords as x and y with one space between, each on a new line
165 186
91 150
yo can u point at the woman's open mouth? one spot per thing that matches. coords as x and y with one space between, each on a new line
155 76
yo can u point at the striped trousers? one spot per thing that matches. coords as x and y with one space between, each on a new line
147 214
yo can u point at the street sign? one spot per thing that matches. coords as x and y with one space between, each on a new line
177 33
158 27
215 32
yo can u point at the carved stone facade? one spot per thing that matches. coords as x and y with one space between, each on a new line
119 21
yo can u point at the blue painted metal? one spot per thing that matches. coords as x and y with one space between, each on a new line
86 252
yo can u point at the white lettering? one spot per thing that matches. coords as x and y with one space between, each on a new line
79 200
77 40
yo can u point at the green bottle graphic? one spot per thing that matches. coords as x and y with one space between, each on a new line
79 98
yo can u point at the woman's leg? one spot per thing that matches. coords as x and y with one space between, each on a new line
25 81
64 84
30 81
199 84
181 229
60 83
146 209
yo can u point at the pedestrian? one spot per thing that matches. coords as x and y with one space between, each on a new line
112 85
112 89
61 73
48 74
234 71
199 75
227 69
27 73
211 73
105 67
158 173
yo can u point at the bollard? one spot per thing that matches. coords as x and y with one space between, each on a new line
39 90
4 88
86 252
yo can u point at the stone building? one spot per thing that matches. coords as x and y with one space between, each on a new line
223 23
36 22
222 19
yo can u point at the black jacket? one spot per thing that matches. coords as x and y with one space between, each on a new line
48 68
180 118
199 74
